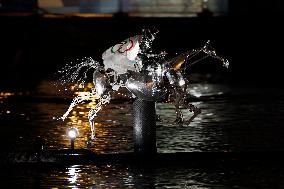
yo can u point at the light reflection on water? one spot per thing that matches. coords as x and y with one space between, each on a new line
227 123
240 120
121 176
114 176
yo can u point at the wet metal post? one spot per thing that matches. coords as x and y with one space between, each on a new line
72 146
144 127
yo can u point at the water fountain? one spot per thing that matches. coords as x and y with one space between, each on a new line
132 64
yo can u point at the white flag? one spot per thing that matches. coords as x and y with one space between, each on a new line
122 57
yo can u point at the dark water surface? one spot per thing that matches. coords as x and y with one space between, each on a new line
119 176
233 119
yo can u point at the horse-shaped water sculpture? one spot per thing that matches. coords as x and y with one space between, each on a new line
131 64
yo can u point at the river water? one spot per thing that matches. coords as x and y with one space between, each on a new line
233 119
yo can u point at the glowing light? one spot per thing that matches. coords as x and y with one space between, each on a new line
5 94
73 133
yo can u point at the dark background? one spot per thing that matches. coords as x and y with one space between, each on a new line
33 47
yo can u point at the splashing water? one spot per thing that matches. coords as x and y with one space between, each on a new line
72 72
133 65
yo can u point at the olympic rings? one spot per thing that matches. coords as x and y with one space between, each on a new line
122 45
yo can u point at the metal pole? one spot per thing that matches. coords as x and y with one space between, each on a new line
72 144
144 127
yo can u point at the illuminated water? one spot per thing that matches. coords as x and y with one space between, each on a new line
232 120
